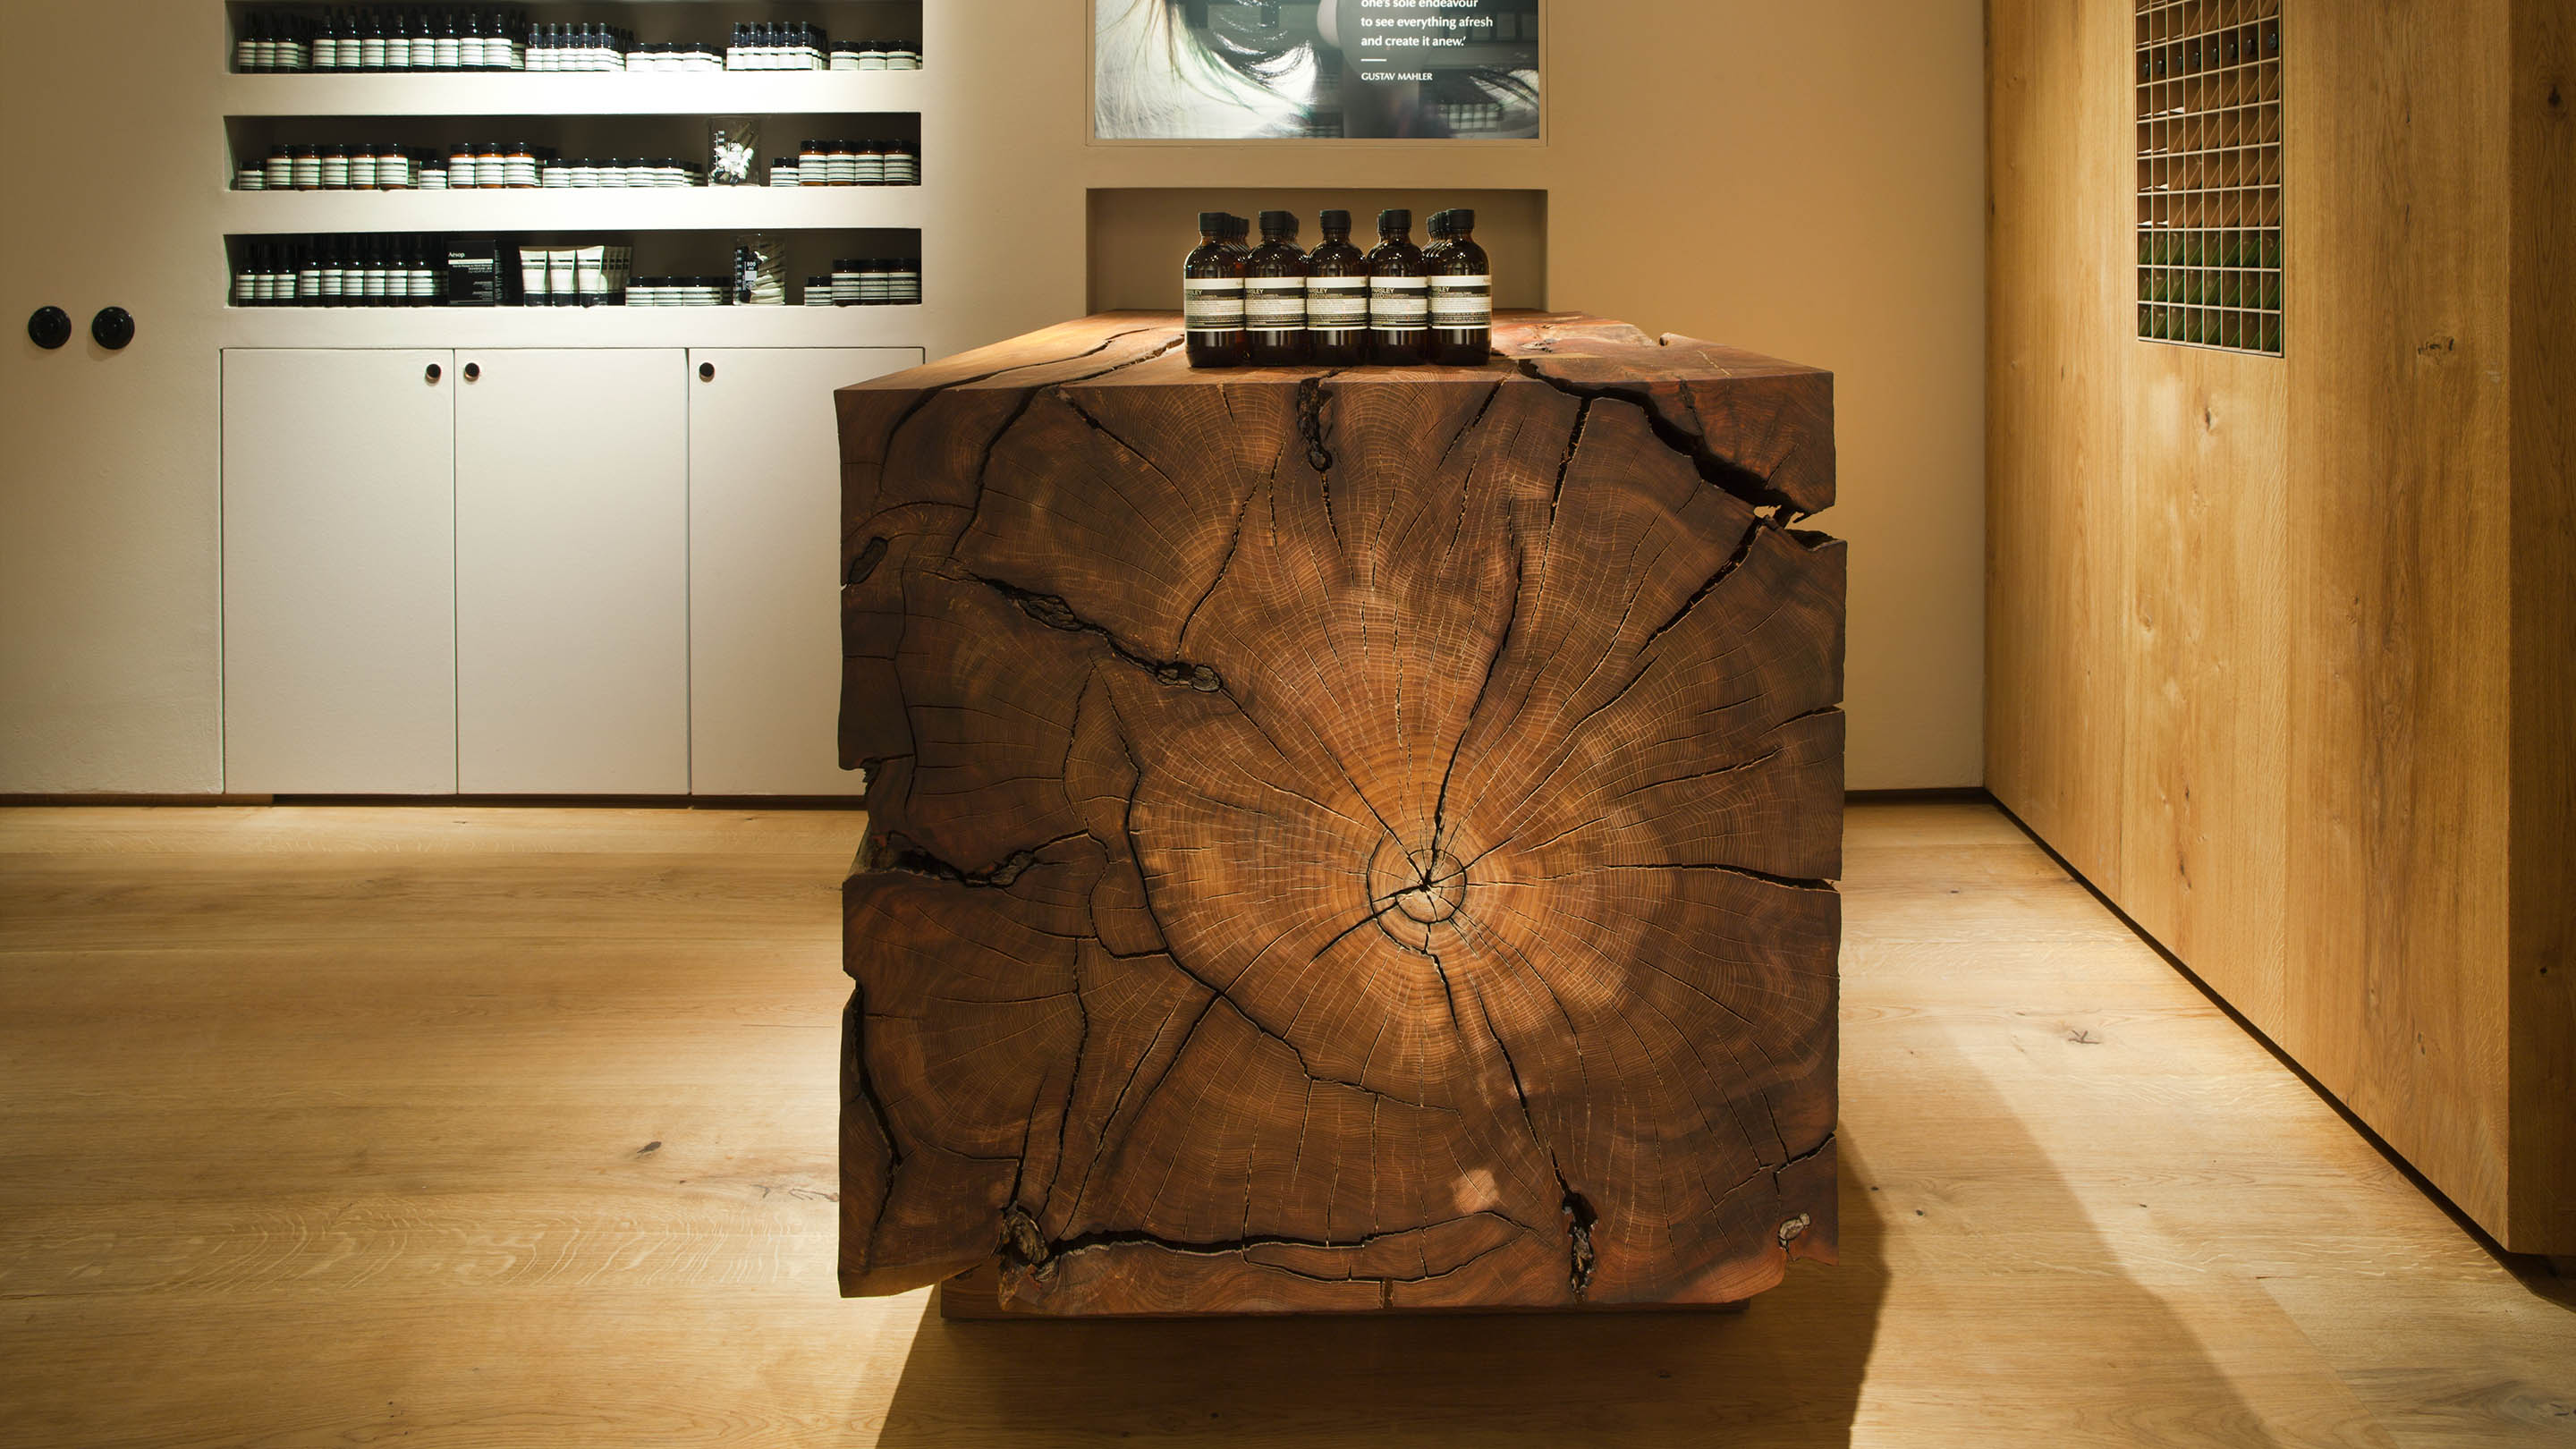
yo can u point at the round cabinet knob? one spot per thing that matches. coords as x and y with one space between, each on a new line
706 372
49 328
435 373
112 328
473 372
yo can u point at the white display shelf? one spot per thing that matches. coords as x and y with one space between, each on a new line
470 327
619 209
610 93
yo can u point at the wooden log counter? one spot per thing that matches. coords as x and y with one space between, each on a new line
1341 840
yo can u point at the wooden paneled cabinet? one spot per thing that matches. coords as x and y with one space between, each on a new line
2282 652
528 571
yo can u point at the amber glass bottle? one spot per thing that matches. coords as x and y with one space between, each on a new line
1337 297
1212 297
1274 293
1399 305
1462 295
1438 230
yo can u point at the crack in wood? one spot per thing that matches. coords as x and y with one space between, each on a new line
1055 613
1717 470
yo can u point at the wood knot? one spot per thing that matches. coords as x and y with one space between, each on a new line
1425 886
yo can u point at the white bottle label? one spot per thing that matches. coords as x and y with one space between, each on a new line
1274 304
1399 304
1337 304
1462 303
1212 304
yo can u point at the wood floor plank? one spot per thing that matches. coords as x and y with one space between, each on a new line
326 1126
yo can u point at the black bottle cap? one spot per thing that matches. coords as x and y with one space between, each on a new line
1335 221
1278 223
1395 219
1214 223
1462 221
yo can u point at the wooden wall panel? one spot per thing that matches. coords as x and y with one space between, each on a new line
2398 567
2204 796
2056 513
2282 652
2543 102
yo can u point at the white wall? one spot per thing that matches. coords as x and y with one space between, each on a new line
1802 179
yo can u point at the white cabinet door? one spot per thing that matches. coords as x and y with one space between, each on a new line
572 628
764 566
339 572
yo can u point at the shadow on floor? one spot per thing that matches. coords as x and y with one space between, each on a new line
1793 1370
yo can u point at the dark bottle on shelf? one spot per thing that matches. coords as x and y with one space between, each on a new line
1399 294
1337 296
1462 296
1212 296
1274 294
334 273
1438 229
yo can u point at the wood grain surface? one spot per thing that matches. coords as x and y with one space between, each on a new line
2280 649
323 1127
2541 86
1342 840
2060 222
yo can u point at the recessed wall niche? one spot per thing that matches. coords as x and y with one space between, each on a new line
2209 173
1139 234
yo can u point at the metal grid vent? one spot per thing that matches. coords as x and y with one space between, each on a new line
2209 173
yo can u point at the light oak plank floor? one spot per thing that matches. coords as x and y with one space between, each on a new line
473 1126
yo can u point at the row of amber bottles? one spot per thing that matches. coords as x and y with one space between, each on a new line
1397 305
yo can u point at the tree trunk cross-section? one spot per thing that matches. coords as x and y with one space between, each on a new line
1341 840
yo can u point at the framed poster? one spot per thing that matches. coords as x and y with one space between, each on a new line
1250 70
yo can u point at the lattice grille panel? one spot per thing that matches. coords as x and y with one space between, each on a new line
2209 173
